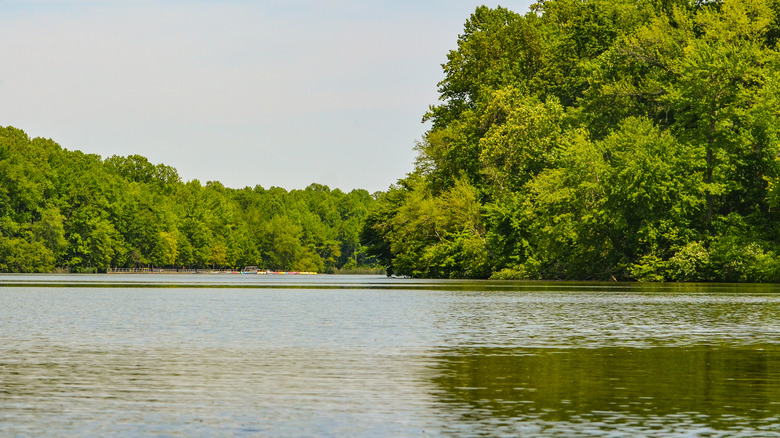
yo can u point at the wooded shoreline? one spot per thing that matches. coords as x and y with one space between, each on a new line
582 140
598 140
66 210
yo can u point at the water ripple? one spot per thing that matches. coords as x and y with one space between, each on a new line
381 357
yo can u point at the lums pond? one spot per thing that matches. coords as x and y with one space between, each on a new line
239 355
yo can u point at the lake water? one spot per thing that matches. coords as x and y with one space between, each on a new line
245 355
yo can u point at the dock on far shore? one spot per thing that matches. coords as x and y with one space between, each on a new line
247 270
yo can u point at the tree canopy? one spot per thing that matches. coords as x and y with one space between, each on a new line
597 139
67 209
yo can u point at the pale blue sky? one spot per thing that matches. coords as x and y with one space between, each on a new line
276 93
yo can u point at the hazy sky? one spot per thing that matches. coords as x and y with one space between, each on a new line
276 93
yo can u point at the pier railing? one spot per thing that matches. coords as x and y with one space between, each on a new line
168 271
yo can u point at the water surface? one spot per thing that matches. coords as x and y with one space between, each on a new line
245 355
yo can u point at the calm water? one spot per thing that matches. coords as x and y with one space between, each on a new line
200 355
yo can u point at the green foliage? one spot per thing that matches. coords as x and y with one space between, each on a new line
690 262
421 235
599 140
19 255
71 210
737 253
523 138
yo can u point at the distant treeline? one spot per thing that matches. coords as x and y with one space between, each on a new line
78 212
598 139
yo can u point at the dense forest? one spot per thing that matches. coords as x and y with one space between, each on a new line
77 212
597 139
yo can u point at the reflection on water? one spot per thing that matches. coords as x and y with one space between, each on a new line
642 391
244 356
